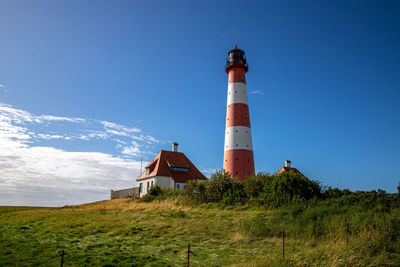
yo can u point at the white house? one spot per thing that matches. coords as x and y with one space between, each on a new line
169 169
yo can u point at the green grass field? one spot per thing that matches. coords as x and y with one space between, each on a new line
131 233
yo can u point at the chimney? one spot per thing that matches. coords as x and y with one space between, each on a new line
288 163
174 147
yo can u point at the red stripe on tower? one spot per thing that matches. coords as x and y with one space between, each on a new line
238 150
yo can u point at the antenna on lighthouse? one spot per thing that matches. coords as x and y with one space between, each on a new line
141 163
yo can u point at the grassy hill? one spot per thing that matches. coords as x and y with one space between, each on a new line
130 232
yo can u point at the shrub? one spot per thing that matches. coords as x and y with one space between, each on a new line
253 184
154 192
235 194
287 188
217 185
195 191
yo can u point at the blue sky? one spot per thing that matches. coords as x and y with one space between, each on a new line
323 87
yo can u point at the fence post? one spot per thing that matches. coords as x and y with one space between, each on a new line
385 229
62 258
283 244
188 254
384 222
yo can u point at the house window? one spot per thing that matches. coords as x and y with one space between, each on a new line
140 187
180 169
151 183
148 186
177 186
147 170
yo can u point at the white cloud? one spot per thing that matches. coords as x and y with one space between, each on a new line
131 151
34 173
50 136
11 119
5 89
54 118
209 171
256 92
118 127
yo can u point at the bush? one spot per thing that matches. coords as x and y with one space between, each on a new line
235 194
287 188
216 186
253 184
211 190
155 191
195 191
265 189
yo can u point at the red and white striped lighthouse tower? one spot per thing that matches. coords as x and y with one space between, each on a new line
238 150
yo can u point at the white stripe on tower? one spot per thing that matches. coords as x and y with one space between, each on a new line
237 93
238 137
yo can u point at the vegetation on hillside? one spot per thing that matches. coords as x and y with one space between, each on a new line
274 191
228 223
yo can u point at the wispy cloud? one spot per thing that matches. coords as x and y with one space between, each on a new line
36 167
256 92
22 125
54 118
208 171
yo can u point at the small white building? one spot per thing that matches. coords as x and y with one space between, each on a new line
169 169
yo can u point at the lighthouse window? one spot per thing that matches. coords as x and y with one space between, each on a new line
236 130
237 145
235 92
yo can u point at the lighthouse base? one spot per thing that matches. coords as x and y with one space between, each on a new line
239 163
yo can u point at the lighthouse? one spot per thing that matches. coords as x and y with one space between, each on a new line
238 147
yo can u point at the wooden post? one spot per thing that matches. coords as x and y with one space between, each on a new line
62 258
188 255
384 222
283 244
347 235
385 229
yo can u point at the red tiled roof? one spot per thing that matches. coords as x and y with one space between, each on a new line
287 169
160 166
